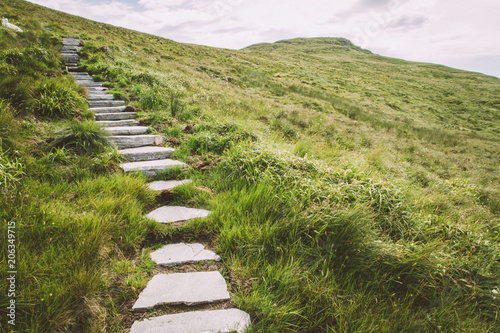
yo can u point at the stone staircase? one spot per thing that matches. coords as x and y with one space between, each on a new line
143 154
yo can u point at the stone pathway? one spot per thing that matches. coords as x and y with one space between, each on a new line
144 154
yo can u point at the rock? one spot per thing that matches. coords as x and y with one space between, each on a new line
165 185
120 123
151 168
147 153
133 141
102 104
179 254
127 130
170 214
216 321
183 288
115 116
109 109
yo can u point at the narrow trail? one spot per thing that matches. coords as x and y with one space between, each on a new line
143 153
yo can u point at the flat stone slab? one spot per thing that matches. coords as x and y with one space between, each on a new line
183 288
88 83
151 168
133 141
108 109
115 116
170 214
216 321
164 185
106 103
119 123
147 153
126 130
179 254
99 96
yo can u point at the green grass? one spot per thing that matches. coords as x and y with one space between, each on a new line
350 192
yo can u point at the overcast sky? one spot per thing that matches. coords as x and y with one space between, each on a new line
458 33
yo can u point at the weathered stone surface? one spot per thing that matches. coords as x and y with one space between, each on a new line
109 109
81 76
151 168
183 288
127 130
115 116
74 69
102 104
100 97
170 214
88 83
120 123
164 185
147 153
132 141
5 23
216 321
70 48
179 254
96 89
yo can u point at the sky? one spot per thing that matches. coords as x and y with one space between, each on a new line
458 33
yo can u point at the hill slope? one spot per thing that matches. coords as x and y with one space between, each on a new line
353 192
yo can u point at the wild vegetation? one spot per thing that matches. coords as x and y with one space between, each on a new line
350 192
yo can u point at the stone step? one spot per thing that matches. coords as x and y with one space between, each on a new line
102 104
74 69
115 116
183 288
82 76
118 123
127 130
147 153
171 214
70 48
151 168
100 96
165 185
180 254
88 83
215 321
109 109
97 89
133 141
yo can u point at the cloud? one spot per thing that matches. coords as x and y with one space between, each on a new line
424 30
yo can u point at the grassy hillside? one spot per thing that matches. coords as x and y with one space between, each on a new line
350 192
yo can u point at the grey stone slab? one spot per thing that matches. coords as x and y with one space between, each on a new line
74 69
133 141
146 153
109 109
164 185
215 321
82 76
115 116
119 123
88 83
103 104
170 214
151 168
97 89
183 288
127 130
99 96
179 254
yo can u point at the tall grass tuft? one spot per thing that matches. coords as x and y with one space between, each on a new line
55 100
86 138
